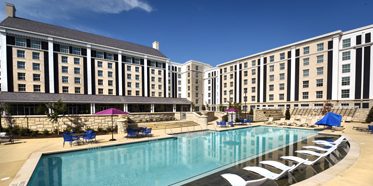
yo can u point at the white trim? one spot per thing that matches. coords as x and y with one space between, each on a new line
292 75
335 77
371 75
4 65
89 70
261 79
238 82
51 65
120 75
167 65
145 93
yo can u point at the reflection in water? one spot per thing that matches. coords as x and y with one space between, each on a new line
164 162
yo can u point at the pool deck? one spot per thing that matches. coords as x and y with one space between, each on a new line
355 169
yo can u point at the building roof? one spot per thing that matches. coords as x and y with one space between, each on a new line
84 98
53 30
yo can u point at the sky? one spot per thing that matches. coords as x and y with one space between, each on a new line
209 31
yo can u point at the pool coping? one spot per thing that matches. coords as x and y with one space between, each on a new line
24 175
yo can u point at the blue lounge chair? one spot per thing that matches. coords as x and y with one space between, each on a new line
370 128
131 132
218 123
89 137
248 121
231 123
147 132
67 138
223 123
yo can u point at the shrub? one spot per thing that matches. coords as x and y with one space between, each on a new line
370 116
46 132
34 133
21 131
89 128
6 129
67 129
99 129
108 129
27 130
287 114
55 131
77 130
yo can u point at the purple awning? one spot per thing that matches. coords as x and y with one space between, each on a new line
232 110
110 111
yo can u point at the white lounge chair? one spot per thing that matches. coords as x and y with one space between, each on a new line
315 148
282 166
290 122
315 153
348 119
268 174
302 123
270 121
236 180
328 143
312 124
281 122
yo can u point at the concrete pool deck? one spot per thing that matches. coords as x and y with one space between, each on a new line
355 169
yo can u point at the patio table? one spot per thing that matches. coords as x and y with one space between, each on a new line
78 135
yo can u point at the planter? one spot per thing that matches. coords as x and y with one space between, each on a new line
339 128
204 113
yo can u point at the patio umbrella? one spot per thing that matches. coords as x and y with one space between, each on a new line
111 111
232 110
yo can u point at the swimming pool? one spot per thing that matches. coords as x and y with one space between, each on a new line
162 162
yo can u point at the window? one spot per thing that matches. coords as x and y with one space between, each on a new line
20 42
281 97
253 63
188 67
282 76
99 63
129 59
306 73
346 68
188 88
137 93
231 84
253 80
65 69
153 71
282 66
306 50
77 80
270 98
110 82
225 70
320 70
76 51
320 47
306 61
345 56
110 65
129 93
65 89
99 55
101 73
160 94
188 95
245 99
225 77
160 87
20 54
37 88
35 44
21 87
65 79
345 104
129 84
245 82
129 68
231 67
231 76
245 73
271 87
304 95
271 77
282 56
245 65
153 79
109 56
153 86
110 91
21 76
196 81
64 49
282 86
110 74
137 85
36 55
253 72
35 66
129 76
346 43
320 59
137 69
64 59
346 93
197 67
160 73
319 82
76 61
100 82
188 81
252 98
345 81
100 91
252 89
77 90
136 61
272 68
225 92
319 94
179 69
271 58
306 84
160 80
76 70
137 77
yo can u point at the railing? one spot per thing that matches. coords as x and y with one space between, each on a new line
214 127
183 124
165 129
199 126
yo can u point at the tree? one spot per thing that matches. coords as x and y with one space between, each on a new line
203 107
327 107
58 111
370 116
221 107
287 113
251 111
207 105
193 106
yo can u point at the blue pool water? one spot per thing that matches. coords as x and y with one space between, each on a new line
161 162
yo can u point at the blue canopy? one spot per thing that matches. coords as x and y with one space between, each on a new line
330 119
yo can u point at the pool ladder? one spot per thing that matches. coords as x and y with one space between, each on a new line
165 129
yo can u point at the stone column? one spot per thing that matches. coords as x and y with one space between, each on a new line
152 108
174 108
167 78
89 69
120 75
93 108
51 65
145 77
292 75
122 123
4 72
261 78
203 120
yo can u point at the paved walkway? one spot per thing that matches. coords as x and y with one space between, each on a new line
13 156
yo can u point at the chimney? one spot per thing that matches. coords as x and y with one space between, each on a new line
10 10
156 45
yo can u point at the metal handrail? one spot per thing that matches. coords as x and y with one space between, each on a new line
214 127
185 126
199 126
165 129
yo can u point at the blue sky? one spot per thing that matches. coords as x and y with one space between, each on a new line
204 30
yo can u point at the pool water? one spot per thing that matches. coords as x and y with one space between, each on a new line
162 162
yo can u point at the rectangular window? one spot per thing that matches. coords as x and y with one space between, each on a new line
320 47
137 85
225 70
137 69
110 65
37 88
137 93
245 73
99 63
21 65
152 71
197 68
282 66
253 72
64 59
345 93
271 77
160 87
253 63
271 58
231 84
100 82
245 82
231 76
36 55
137 77
153 79
306 73
65 69
225 77
319 82
77 90
109 56
129 68
253 80
110 82
320 59
231 67
110 74
252 89
65 89
65 79
319 94
282 76
129 84
272 68
21 87
21 76
129 59
64 49
101 73
76 70
160 73
20 42
136 61
20 53
282 86
160 81
306 61
304 95
99 55
35 66
245 65
110 91
252 98
271 87
35 44
345 81
320 70
346 68
76 51
129 93
281 97
76 61
282 56
306 50
346 56
129 76
346 43
306 84
77 80
271 97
